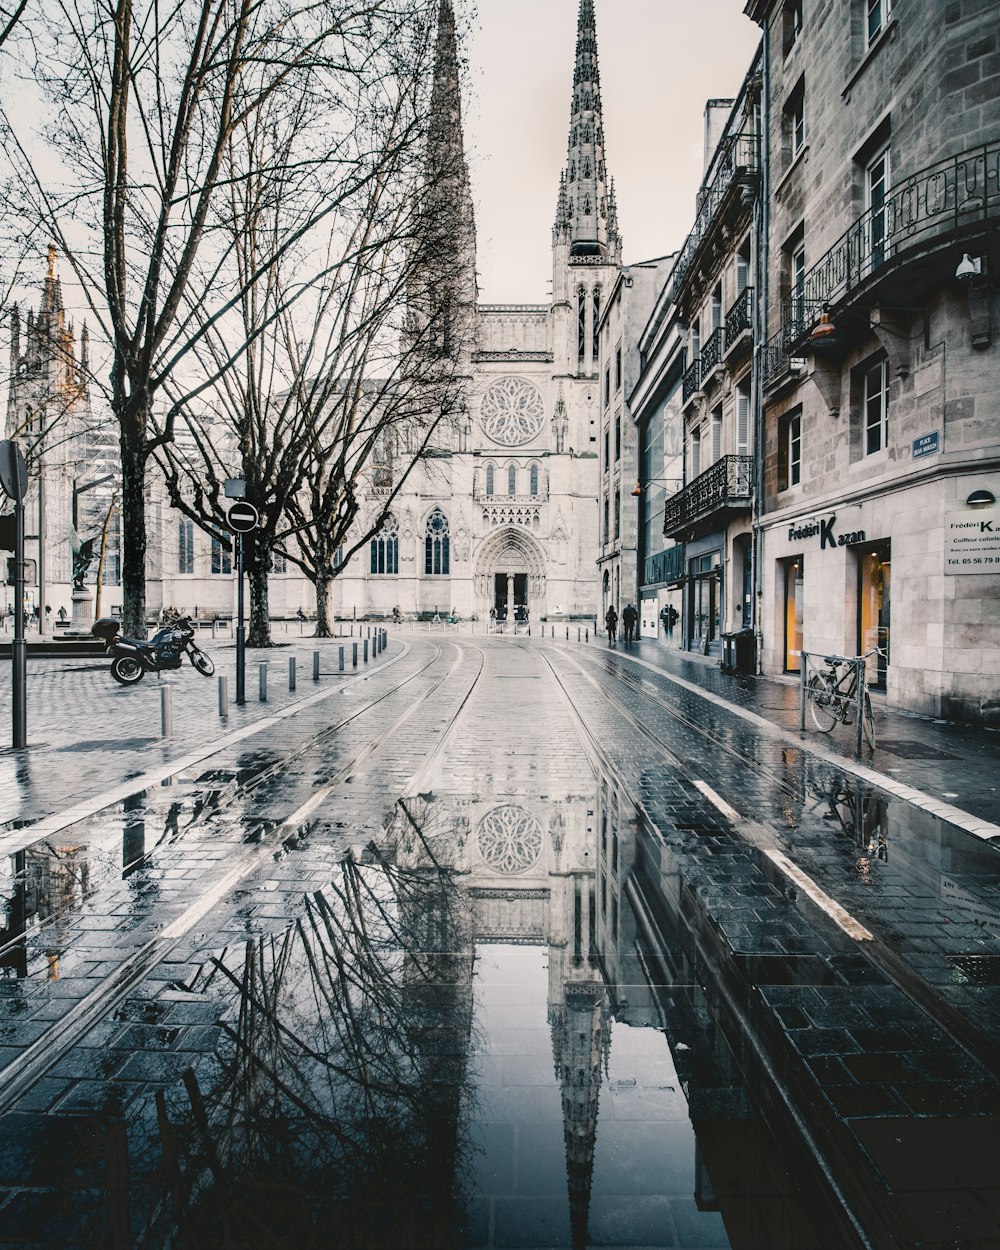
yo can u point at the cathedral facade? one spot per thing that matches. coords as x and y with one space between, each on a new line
502 522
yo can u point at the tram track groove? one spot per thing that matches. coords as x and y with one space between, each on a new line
23 1072
762 839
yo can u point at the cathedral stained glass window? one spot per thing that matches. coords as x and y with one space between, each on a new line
385 548
512 411
436 553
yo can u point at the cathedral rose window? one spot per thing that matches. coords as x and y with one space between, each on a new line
512 412
510 839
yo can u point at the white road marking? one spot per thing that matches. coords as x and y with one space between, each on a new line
853 928
716 800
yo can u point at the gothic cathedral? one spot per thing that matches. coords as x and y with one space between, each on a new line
503 522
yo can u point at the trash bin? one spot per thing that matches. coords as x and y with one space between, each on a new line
745 652
728 653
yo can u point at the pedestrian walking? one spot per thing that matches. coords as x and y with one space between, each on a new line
629 618
611 621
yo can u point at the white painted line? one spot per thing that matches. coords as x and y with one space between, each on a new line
853 928
18 839
956 816
718 801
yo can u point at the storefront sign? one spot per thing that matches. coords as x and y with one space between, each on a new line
972 541
824 528
926 445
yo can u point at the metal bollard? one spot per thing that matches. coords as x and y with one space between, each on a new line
166 712
262 679
567 633
586 634
365 645
354 658
214 630
291 673
223 696
578 633
315 666
340 662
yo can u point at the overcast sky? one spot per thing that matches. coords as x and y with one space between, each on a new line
660 61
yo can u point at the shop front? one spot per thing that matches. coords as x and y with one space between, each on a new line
704 602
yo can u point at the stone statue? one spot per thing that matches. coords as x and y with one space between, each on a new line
83 556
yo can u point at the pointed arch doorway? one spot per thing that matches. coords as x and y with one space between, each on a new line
510 576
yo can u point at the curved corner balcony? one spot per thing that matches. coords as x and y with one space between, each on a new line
904 246
711 499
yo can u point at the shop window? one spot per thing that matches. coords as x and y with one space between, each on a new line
790 449
874 582
222 559
385 548
436 545
185 546
795 571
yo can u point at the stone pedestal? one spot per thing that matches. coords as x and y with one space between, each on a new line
83 610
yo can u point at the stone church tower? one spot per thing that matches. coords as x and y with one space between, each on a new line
504 517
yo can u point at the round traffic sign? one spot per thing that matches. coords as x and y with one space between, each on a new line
243 517
13 471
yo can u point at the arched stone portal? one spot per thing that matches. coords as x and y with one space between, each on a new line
509 573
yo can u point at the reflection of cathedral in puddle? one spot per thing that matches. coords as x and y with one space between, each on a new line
526 873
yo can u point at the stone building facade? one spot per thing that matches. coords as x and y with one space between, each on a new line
881 446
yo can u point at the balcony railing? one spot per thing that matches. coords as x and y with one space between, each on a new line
726 485
738 159
947 195
740 316
778 361
691 382
711 353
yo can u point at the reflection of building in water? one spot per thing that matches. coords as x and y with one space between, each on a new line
528 871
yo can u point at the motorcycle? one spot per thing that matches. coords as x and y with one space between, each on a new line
133 657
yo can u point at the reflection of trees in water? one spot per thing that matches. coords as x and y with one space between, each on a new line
337 1119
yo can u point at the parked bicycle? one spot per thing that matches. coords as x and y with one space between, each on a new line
833 694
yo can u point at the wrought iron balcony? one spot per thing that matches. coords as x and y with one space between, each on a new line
950 195
778 362
711 353
738 161
724 488
691 382
739 319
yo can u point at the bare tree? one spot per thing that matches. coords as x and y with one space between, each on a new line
342 386
147 101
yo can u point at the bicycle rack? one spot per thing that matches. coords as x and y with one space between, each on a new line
858 662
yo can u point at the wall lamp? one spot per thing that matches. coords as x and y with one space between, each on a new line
981 499
639 487
971 272
969 268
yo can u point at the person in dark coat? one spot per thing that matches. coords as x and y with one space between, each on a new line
629 618
611 621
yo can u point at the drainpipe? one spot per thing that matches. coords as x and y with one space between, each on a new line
760 234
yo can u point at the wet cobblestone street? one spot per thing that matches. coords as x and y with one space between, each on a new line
497 942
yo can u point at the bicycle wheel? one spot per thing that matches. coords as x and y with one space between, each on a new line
821 703
868 721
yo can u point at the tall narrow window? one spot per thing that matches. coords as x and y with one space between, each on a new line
533 479
185 546
222 560
798 276
385 548
618 514
279 561
581 296
607 386
618 367
511 479
436 553
694 345
618 436
876 407
743 431
879 12
607 517
876 190
597 316
694 451
791 24
790 449
717 434
743 266
717 306
795 120
489 479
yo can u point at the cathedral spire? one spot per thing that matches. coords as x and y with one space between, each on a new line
590 226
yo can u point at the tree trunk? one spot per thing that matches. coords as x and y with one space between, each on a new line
256 558
324 584
132 442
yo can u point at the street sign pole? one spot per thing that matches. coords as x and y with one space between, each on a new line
19 648
240 632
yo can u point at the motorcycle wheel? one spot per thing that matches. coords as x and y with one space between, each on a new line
202 662
127 670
